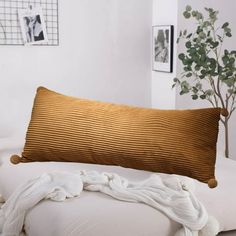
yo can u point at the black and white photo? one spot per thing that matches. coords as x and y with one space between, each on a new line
32 26
162 48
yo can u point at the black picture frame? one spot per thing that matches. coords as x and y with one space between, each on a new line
162 52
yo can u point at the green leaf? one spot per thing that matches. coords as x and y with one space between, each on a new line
219 70
189 35
199 30
185 32
194 13
202 35
206 24
186 68
203 72
226 24
229 73
181 56
227 30
203 96
188 8
198 86
185 87
195 90
209 92
214 74
213 15
199 16
194 97
187 15
214 44
222 77
229 82
176 80
188 44
210 10
189 75
231 60
225 59
228 34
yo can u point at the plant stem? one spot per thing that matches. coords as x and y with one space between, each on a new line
226 138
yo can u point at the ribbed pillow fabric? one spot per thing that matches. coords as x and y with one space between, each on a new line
64 128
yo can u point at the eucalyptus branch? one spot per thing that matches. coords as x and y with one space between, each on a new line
212 83
216 101
212 103
215 95
221 43
227 99
205 59
217 28
218 90
232 108
219 93
223 121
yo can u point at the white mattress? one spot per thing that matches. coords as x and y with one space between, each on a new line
97 214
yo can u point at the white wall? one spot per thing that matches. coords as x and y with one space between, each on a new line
163 97
226 13
104 54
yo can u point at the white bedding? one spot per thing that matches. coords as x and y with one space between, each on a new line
98 214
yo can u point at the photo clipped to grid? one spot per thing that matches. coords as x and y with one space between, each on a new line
10 29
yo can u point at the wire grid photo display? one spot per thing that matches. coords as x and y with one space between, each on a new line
10 29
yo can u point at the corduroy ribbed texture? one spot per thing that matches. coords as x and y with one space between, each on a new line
64 128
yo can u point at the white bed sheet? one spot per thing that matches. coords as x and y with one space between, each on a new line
97 214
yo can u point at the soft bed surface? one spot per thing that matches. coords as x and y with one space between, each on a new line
98 214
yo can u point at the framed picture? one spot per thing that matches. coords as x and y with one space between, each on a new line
32 26
162 59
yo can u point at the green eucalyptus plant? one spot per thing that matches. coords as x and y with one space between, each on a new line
209 70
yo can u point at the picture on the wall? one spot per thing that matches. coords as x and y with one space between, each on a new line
163 48
33 26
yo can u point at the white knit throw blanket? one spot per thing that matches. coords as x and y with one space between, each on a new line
168 194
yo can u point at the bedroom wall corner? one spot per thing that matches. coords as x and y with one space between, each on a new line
104 54
163 97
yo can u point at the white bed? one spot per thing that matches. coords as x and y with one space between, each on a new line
97 214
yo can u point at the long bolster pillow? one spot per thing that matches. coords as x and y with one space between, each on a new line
64 128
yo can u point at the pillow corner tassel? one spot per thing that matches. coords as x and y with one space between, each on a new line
212 183
15 159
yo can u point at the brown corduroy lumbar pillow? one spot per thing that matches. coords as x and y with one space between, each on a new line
64 128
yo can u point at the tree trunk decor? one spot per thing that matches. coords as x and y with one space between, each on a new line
209 70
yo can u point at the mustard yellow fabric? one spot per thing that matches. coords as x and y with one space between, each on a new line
64 128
